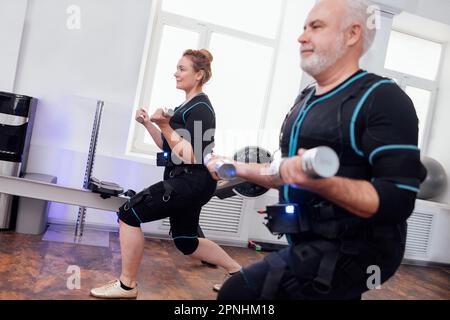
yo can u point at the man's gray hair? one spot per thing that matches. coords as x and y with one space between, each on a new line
359 10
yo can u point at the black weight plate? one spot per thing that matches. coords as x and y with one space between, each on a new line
251 155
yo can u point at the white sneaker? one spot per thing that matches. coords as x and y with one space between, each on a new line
113 290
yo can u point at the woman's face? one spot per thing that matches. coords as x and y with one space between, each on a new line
186 77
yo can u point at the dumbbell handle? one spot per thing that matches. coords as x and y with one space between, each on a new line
166 113
320 162
224 169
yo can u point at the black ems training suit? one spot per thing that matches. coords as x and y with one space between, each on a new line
185 188
372 125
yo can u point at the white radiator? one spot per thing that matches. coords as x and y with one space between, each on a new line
219 218
428 236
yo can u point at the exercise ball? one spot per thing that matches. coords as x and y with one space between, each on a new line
435 182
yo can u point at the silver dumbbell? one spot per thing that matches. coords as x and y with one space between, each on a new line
224 169
166 113
320 162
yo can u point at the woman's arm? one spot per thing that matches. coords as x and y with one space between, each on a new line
143 118
155 134
182 148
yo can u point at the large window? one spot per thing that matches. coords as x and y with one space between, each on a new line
414 63
404 52
256 73
243 44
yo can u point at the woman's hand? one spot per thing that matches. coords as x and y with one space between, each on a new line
211 165
142 116
159 119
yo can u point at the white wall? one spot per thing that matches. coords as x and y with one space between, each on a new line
12 16
68 70
437 10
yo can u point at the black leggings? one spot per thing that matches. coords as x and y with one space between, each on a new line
180 197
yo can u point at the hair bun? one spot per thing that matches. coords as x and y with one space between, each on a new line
201 60
207 54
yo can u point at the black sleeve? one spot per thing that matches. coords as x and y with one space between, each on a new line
389 142
200 122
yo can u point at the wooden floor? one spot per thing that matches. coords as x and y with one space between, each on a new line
34 269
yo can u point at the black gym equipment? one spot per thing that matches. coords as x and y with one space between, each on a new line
104 188
17 113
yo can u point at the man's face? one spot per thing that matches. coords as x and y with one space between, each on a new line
323 41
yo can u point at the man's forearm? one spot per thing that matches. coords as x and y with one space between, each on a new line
356 196
258 173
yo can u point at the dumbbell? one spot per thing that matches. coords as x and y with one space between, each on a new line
224 169
230 186
166 113
320 162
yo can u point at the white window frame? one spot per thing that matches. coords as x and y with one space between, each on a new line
136 144
405 80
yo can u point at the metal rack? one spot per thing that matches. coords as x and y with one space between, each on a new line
89 168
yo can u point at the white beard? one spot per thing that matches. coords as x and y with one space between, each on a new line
321 60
